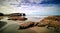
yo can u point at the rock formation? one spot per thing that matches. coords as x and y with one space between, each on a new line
27 25
51 21
17 16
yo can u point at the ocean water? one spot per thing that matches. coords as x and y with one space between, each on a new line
35 18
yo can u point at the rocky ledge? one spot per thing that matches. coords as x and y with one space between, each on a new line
51 21
27 25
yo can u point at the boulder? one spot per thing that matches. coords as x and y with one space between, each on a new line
26 25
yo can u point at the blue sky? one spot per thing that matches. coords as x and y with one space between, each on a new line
39 2
51 2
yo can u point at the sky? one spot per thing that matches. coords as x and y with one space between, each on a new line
31 7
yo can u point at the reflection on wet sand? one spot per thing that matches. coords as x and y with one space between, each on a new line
2 23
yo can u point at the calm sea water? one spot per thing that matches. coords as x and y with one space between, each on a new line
35 18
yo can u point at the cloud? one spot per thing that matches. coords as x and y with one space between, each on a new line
19 3
30 7
40 2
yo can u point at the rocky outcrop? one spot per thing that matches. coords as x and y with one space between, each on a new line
51 21
1 14
17 18
27 25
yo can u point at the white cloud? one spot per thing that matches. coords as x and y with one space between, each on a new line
29 10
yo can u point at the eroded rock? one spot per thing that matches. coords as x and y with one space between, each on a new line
17 18
51 21
27 25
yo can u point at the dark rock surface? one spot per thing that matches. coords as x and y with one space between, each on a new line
1 14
